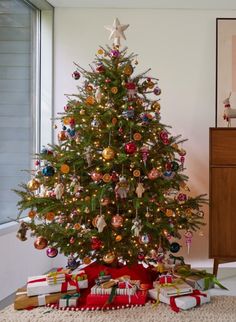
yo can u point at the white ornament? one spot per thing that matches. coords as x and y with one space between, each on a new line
88 155
137 227
75 186
140 190
117 31
59 190
98 95
121 188
100 223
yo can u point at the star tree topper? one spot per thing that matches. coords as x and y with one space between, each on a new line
117 31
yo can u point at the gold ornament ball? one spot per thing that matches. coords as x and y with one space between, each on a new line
109 258
90 100
156 106
128 70
114 90
100 52
118 238
106 178
136 173
65 168
108 153
40 242
77 226
62 136
86 260
33 184
66 120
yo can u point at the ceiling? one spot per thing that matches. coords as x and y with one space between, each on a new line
159 4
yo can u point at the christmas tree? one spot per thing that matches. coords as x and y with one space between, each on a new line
113 188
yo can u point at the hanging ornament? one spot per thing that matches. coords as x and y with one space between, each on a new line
51 252
137 136
105 201
48 171
117 221
156 106
128 70
95 123
75 186
114 53
65 168
40 242
96 176
100 68
72 240
164 137
140 190
136 173
100 223
62 136
182 159
174 247
114 121
129 114
77 226
106 178
130 148
169 212
168 175
136 227
109 258
188 239
147 214
108 153
21 233
145 239
82 112
50 216
181 197
114 176
98 95
96 243
66 121
153 174
90 100
88 155
100 51
145 153
71 262
141 256
118 238
157 90
114 90
122 188
182 152
32 214
59 190
131 90
76 75
33 184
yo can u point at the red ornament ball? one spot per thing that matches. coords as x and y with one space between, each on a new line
96 176
153 174
96 243
51 252
40 242
130 148
117 221
76 75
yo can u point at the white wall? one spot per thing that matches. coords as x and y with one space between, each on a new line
179 46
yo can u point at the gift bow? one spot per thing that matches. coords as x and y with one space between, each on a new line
208 277
55 275
196 294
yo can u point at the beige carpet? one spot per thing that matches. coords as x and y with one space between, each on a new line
221 309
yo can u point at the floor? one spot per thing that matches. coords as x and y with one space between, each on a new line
227 276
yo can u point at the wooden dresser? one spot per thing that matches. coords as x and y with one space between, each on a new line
222 225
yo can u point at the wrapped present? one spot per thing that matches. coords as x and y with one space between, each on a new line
177 287
196 298
22 301
69 300
198 279
139 298
96 289
38 285
165 279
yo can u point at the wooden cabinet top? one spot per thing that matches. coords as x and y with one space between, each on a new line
222 146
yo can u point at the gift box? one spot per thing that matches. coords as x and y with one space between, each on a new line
139 298
38 285
165 279
22 301
178 287
69 300
96 289
187 301
197 282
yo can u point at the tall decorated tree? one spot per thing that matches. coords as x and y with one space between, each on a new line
113 188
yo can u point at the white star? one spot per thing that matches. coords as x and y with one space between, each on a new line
117 31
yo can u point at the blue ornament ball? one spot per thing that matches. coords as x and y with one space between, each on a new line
48 171
174 247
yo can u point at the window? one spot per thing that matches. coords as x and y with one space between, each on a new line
21 93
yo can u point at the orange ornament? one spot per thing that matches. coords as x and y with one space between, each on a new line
62 136
114 90
114 121
118 238
65 168
87 198
137 136
136 173
169 212
106 177
90 100
100 52
77 226
50 215
66 120
32 214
